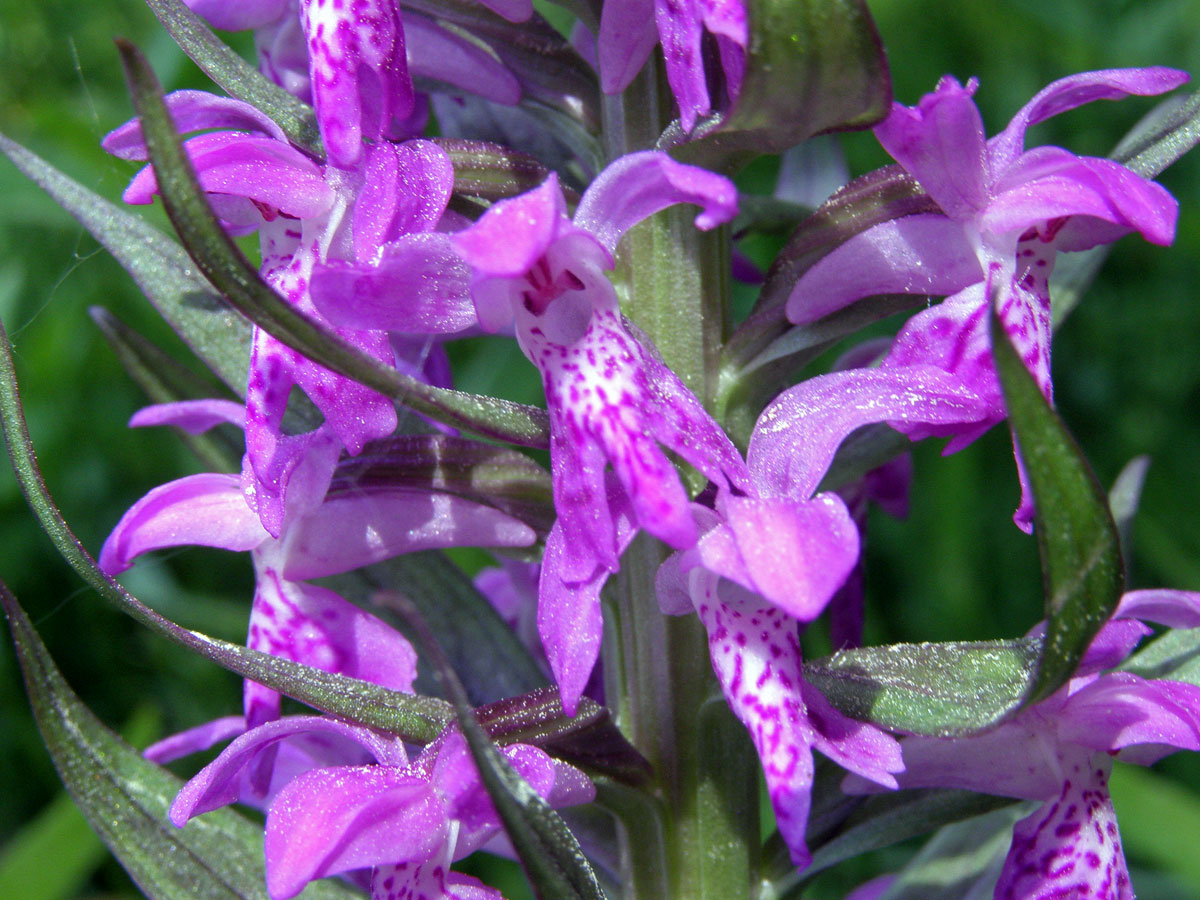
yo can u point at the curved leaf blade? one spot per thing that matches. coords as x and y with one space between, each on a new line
219 258
940 690
159 266
1078 542
125 798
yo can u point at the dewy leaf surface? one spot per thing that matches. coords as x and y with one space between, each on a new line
1078 542
931 689
232 274
125 798
159 266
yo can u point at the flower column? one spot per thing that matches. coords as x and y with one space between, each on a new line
673 283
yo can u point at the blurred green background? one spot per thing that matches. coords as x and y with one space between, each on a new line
1127 370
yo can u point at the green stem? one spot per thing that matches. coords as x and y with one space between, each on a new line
673 283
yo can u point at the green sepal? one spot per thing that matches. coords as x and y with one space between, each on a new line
125 798
1078 543
549 853
419 719
237 77
811 66
164 379
160 267
939 690
222 262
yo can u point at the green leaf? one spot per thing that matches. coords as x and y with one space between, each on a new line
419 719
232 274
125 798
1169 131
940 690
963 861
165 380
490 171
1174 655
161 268
237 77
1077 539
551 856
811 66
1124 497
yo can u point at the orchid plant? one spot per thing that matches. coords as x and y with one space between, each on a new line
628 697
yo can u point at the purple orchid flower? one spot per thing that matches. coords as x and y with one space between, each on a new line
354 525
611 399
1060 752
384 211
402 821
1006 212
770 560
629 29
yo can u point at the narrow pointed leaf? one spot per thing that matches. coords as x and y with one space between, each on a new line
419 719
551 856
1078 543
940 690
811 66
1124 498
1174 655
491 171
161 268
125 798
237 77
164 379
232 274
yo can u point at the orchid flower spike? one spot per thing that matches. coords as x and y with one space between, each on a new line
1006 212
611 399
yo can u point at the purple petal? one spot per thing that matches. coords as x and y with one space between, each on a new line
314 626
797 553
406 188
360 80
202 737
514 234
193 416
333 820
1047 184
193 111
367 526
638 185
627 36
1175 609
1070 847
420 286
1076 90
940 142
208 510
442 55
431 880
920 254
1121 710
680 31
858 747
798 434
237 15
216 785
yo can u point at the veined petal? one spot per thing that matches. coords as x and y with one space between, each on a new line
681 32
216 785
628 33
1047 184
919 254
798 434
1069 847
1076 90
1120 710
193 111
356 529
1175 609
360 80
797 552
193 416
419 286
514 234
638 185
333 820
406 188
431 880
208 510
941 143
